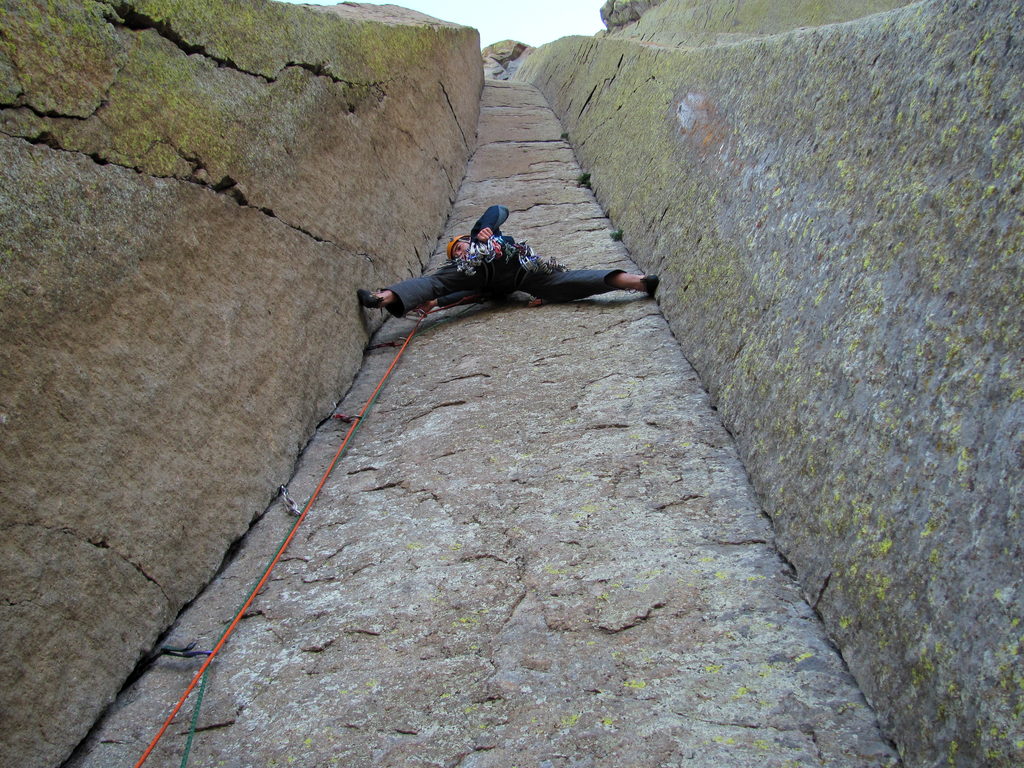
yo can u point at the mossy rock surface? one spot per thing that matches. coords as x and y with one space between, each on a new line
835 213
240 95
192 191
706 22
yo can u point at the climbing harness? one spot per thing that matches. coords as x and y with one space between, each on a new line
199 678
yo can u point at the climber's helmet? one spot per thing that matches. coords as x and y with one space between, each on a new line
458 246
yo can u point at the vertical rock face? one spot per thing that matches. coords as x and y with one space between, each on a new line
836 214
189 195
539 549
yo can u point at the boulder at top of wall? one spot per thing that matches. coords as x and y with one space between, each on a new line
502 59
618 13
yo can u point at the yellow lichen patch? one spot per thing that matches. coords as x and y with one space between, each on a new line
569 721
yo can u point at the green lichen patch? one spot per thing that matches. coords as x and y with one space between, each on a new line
264 37
840 247
62 54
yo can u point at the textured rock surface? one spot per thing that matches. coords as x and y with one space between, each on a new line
618 13
704 22
183 195
837 217
385 14
542 550
502 60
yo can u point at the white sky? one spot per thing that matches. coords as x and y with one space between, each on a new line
533 22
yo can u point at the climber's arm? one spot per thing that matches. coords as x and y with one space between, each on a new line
492 219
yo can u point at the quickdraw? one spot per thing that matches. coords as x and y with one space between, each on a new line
292 506
186 652
505 248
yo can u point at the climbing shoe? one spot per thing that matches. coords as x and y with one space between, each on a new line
367 299
651 284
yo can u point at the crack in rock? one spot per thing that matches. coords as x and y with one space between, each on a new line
384 487
611 628
465 377
127 16
227 186
100 543
439 406
211 727
484 556
821 592
740 543
50 114
455 115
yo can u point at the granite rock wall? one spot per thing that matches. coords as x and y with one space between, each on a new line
189 194
706 22
836 214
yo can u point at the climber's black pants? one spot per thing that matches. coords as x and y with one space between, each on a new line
499 278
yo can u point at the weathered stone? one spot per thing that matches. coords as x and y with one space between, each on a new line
60 59
618 13
284 117
836 216
705 22
384 14
502 60
505 51
540 549
186 191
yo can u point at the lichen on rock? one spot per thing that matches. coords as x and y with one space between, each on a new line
188 190
835 212
705 22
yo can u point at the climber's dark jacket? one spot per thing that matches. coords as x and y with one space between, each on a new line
497 268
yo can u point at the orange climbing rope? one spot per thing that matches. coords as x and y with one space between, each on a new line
284 545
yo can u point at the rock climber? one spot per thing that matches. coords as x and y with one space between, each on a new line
488 262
